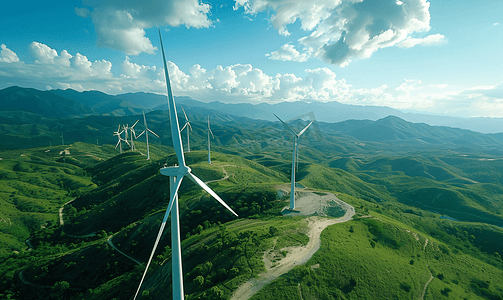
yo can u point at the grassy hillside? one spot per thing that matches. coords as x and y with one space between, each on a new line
371 258
405 192
35 183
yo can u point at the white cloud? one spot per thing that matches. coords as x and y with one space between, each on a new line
58 71
121 24
341 31
7 55
240 83
134 70
286 53
82 12
433 39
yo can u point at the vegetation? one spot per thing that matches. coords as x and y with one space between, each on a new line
423 211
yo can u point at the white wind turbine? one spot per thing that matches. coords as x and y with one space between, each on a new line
146 131
295 151
133 135
187 125
176 175
209 131
118 134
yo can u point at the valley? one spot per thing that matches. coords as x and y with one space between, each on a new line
386 209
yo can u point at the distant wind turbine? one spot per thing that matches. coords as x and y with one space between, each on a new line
209 131
146 131
118 134
294 154
176 175
133 135
187 125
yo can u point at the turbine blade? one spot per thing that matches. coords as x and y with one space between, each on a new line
117 144
134 124
175 127
186 119
140 134
302 131
152 132
190 127
209 190
177 187
286 125
163 224
183 127
211 133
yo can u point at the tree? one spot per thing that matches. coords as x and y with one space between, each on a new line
234 272
215 293
59 289
199 281
198 229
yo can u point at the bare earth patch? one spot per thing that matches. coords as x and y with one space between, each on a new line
318 204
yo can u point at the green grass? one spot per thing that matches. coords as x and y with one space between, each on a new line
34 183
373 259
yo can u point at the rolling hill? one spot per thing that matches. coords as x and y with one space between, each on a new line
428 201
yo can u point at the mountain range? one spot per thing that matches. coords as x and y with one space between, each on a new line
70 103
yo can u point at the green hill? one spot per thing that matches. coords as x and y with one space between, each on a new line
36 182
405 192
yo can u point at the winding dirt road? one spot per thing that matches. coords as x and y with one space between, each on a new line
426 286
226 175
109 241
61 222
296 255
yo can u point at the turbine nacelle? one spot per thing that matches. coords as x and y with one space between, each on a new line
175 171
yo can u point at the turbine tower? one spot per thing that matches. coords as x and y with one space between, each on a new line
146 131
294 154
187 125
209 131
118 134
176 174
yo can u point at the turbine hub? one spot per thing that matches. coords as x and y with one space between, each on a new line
183 170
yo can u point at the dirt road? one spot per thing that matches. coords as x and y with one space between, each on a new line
296 255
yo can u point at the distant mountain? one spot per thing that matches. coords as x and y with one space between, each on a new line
102 103
43 103
332 112
147 100
69 103
393 128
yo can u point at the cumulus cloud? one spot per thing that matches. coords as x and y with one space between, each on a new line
135 70
239 83
286 53
7 55
433 39
343 30
121 24
58 71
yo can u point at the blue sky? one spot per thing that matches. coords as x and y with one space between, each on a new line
442 57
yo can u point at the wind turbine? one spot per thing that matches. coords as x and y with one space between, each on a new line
187 124
133 135
146 131
176 175
209 131
295 153
118 134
